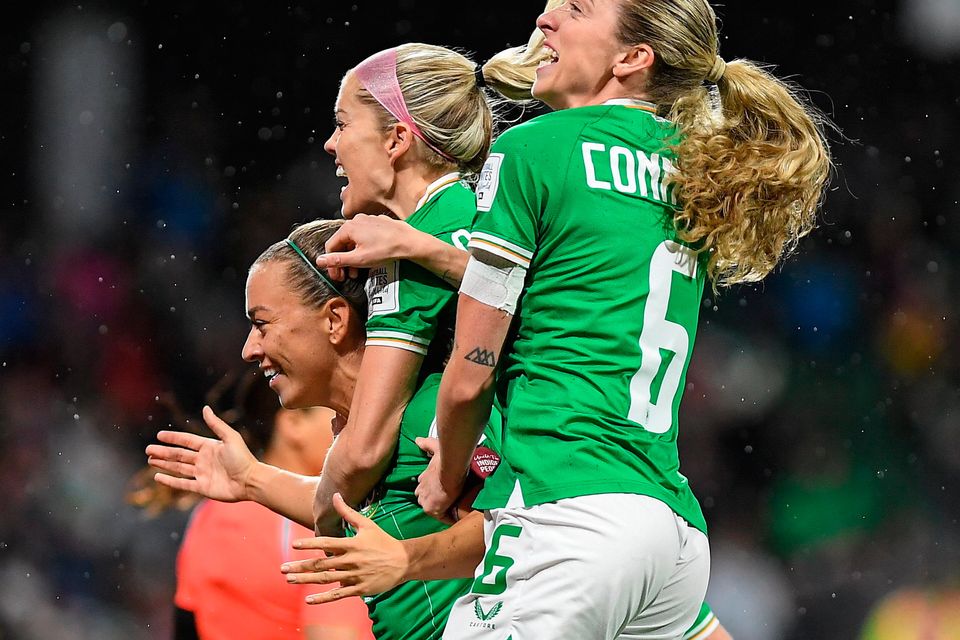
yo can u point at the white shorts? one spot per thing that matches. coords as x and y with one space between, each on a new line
593 567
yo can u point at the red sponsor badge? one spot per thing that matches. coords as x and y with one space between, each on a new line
484 462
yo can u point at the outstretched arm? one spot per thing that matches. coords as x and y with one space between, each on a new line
373 562
366 241
224 469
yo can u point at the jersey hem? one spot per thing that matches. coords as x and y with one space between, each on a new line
533 497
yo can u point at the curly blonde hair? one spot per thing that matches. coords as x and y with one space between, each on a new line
752 158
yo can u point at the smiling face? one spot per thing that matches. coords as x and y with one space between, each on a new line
287 338
582 36
360 146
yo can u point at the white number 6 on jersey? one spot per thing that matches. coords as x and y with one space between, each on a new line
656 414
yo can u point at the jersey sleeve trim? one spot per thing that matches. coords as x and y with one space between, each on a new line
703 630
500 247
397 340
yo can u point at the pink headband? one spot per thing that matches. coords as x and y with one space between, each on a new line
378 75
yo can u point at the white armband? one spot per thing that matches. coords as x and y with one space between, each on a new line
493 286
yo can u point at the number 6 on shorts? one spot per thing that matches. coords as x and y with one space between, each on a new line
493 580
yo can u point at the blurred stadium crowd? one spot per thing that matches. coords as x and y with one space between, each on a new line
150 150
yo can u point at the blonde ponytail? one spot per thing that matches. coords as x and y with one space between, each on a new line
750 175
511 72
752 159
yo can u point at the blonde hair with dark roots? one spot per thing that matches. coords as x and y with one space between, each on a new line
752 166
443 98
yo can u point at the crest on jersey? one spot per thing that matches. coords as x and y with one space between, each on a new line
486 615
489 181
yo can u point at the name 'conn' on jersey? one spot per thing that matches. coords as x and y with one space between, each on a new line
591 204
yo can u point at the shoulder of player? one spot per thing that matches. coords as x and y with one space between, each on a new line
450 212
547 131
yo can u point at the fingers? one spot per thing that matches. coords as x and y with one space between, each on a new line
339 241
314 565
218 426
173 454
342 260
181 484
320 577
328 545
349 515
182 439
171 467
335 594
429 445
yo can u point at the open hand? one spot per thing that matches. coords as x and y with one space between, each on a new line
217 469
369 563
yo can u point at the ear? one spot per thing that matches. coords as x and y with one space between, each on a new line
400 139
638 58
336 318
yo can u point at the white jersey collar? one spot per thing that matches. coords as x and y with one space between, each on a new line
633 102
438 185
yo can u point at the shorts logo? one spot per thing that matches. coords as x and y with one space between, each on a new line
489 181
486 615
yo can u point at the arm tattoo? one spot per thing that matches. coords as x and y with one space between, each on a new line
482 357
449 279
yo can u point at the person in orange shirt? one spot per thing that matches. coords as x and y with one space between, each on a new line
228 580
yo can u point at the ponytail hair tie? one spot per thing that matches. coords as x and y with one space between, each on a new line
478 74
717 70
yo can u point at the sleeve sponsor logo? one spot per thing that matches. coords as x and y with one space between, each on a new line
383 289
489 181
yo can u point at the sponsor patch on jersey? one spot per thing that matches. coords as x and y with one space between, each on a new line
489 181
383 289
484 462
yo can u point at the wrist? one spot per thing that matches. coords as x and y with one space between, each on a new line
452 476
417 245
259 477
415 550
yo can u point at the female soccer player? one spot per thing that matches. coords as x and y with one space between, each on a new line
411 122
609 218
315 334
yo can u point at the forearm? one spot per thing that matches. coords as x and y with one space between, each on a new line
436 256
467 388
462 414
350 471
284 492
453 553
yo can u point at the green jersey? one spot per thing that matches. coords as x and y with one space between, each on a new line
409 307
415 610
593 379
412 309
